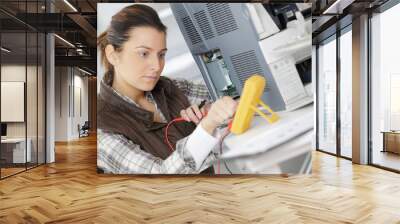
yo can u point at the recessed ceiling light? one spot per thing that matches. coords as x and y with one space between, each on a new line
64 40
5 50
337 7
70 5
84 71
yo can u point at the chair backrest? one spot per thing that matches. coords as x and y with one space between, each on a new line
86 125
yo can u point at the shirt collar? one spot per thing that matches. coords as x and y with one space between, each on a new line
147 94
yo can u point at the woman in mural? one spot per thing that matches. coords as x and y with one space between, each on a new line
136 103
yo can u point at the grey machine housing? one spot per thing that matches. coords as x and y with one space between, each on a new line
224 44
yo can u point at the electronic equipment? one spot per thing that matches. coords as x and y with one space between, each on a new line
227 42
224 44
230 42
3 130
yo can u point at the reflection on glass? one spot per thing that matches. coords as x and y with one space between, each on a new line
385 86
395 102
31 101
327 97
41 99
346 94
23 88
13 85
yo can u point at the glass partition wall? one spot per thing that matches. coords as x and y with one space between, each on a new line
334 57
345 62
385 90
327 95
334 104
22 87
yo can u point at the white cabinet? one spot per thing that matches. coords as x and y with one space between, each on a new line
16 146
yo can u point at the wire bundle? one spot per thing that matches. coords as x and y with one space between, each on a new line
172 148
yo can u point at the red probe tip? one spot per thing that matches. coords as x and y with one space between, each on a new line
230 125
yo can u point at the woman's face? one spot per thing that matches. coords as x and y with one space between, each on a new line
142 58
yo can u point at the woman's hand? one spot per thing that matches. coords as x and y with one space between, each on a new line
194 114
220 111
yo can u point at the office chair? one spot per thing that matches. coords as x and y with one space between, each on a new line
84 130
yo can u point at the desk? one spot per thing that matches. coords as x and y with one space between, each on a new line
391 141
285 144
292 157
13 150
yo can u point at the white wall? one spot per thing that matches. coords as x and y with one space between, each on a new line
80 103
33 126
14 73
61 103
17 73
12 101
69 81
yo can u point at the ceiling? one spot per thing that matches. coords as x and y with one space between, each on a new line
332 15
76 23
22 20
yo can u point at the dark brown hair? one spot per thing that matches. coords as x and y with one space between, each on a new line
122 23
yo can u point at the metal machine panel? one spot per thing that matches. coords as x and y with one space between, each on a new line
222 37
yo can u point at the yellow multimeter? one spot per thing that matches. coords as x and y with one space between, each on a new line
250 99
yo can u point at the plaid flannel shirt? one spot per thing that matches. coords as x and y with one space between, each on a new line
119 155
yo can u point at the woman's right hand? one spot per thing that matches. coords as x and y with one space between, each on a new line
220 111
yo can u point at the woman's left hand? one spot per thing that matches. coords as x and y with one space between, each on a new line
194 114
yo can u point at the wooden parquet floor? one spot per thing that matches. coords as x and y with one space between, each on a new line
10 171
70 191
